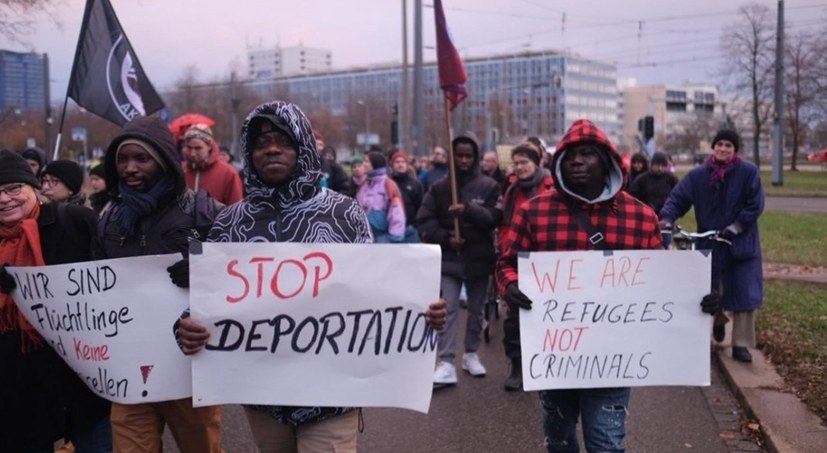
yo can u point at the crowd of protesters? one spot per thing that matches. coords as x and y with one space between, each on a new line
481 216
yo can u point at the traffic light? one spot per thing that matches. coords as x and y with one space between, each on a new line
648 127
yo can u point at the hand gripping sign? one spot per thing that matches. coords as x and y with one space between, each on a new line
315 324
111 321
615 319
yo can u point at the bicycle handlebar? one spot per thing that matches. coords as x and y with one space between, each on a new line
712 235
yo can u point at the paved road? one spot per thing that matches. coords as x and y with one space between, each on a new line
478 416
793 204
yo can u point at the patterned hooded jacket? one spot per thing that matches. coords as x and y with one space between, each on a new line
300 210
545 223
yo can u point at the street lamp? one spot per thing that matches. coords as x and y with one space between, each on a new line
367 123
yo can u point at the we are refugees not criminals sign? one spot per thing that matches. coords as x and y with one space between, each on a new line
614 319
111 321
315 324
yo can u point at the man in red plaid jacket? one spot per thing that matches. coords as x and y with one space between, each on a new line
588 176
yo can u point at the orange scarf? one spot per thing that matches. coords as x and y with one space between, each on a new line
20 246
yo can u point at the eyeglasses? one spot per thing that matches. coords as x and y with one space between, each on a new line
50 181
12 190
268 139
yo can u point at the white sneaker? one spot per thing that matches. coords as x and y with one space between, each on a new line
445 373
471 364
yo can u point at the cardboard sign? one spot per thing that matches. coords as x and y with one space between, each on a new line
315 324
111 321
615 319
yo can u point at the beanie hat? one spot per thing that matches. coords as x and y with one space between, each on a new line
34 154
728 135
14 168
397 155
527 149
67 171
98 171
200 131
357 160
377 159
660 159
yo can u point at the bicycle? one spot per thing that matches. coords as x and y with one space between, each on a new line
684 240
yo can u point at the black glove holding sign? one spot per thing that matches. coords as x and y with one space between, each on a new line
516 298
179 273
7 282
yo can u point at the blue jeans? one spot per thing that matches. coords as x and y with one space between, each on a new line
603 411
96 439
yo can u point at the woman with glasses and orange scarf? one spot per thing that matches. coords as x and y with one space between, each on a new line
41 399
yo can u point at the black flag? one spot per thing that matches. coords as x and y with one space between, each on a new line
107 78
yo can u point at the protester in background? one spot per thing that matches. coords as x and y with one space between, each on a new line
329 153
638 165
490 166
531 180
62 180
727 195
422 165
41 398
411 191
284 182
381 200
333 175
97 181
204 168
588 177
36 158
467 259
358 176
152 213
438 170
653 187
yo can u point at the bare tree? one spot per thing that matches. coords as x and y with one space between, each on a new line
690 132
801 81
748 45
18 17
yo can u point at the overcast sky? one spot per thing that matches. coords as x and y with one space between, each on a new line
655 42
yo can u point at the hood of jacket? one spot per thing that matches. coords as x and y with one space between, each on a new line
306 180
585 132
152 130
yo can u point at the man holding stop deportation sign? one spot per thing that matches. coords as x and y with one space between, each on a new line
285 202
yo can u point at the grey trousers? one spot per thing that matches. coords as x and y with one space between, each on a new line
447 340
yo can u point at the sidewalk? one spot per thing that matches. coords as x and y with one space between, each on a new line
787 424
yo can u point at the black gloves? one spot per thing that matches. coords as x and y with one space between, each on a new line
711 303
516 298
665 225
729 233
7 283
179 273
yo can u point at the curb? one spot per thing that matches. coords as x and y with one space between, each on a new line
787 424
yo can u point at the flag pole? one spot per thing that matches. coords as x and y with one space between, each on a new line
452 175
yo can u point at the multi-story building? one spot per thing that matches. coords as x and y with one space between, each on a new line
509 97
23 80
683 115
269 63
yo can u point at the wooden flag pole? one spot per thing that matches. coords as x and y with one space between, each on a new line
452 175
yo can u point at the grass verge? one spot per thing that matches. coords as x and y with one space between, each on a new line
792 332
797 184
793 238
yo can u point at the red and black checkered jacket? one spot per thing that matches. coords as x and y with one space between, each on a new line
545 223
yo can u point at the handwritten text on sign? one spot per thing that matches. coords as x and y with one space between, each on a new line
315 324
617 319
111 321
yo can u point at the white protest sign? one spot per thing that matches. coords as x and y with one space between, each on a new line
616 319
315 324
111 321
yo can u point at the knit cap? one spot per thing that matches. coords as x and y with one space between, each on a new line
67 171
14 168
728 135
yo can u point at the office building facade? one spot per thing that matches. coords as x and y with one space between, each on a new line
23 81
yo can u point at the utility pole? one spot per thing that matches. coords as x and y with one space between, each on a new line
418 135
778 123
235 102
47 107
405 106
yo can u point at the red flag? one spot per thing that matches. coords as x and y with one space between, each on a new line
452 76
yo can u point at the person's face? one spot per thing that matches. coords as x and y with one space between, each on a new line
137 169
439 156
98 184
54 189
16 202
464 155
723 150
524 167
274 156
198 150
328 155
489 162
637 165
225 156
400 165
319 145
33 165
358 170
658 169
583 170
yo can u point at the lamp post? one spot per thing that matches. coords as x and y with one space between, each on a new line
367 123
